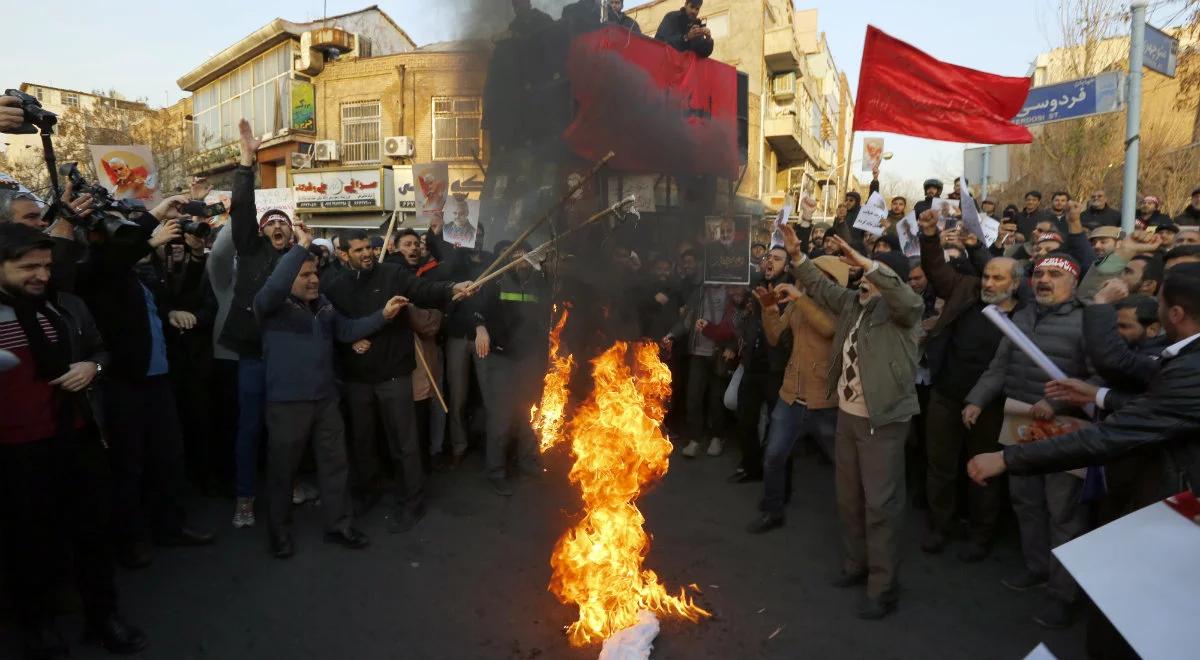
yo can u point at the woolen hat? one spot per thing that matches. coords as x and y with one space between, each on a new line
896 261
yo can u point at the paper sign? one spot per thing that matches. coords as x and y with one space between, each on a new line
1140 571
127 171
872 153
947 211
781 219
727 250
871 215
991 229
909 233
274 199
433 184
224 197
462 221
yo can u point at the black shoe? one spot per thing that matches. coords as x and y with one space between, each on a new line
185 537
501 486
1024 581
847 580
765 523
282 546
349 538
136 555
44 642
116 635
872 610
1057 615
743 477
934 543
973 553
405 518
366 502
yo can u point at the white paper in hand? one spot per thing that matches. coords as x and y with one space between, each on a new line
871 215
780 220
908 231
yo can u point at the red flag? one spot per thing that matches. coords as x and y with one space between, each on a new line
902 90
659 110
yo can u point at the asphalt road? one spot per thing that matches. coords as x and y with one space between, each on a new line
470 582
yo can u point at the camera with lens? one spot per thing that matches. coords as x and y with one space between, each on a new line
109 215
36 117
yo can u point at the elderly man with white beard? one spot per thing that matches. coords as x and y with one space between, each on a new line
1048 509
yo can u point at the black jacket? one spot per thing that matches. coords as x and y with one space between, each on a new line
1027 222
1126 369
1189 216
1105 217
360 293
1168 414
674 29
256 258
86 345
516 313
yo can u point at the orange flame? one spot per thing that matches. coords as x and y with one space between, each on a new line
619 448
548 418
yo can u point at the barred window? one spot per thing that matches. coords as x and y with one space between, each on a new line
457 127
70 100
360 133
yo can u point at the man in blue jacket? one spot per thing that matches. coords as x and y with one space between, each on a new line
299 327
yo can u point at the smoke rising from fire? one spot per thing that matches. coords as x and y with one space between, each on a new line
488 19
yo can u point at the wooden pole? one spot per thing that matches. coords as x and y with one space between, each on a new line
387 242
532 228
429 373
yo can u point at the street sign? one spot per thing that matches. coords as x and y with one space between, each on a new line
1162 51
997 164
1073 99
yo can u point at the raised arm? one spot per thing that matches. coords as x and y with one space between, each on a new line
279 285
243 216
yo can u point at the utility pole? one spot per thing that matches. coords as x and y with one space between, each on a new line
1133 118
987 161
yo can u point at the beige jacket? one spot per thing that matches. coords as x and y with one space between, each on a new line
812 329
425 324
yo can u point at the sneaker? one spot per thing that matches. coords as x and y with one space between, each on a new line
1024 581
1057 615
691 449
243 515
765 523
933 543
716 446
305 492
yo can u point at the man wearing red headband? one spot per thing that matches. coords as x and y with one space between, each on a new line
1047 506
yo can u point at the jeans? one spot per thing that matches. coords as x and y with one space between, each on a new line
252 401
789 423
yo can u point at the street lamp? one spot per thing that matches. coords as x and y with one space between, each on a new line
887 155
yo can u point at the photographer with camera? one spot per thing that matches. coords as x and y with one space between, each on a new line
53 472
684 30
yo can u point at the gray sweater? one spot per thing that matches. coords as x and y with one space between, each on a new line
298 337
222 269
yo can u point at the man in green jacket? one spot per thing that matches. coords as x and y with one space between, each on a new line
872 371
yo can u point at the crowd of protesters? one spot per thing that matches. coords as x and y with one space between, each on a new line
134 362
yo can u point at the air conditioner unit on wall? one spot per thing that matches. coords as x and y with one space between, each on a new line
325 150
398 146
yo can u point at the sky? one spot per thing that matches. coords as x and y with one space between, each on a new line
142 54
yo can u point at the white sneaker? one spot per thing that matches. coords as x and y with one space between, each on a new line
243 515
716 447
691 449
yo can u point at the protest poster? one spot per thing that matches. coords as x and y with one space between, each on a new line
727 250
947 212
872 154
433 185
462 221
224 197
871 215
781 219
127 171
274 199
909 233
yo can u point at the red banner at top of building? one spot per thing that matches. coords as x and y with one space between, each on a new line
659 110
903 90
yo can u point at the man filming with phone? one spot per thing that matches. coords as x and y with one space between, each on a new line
684 30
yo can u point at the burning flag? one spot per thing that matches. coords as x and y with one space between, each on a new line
619 448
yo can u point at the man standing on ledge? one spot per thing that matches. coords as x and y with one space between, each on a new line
684 31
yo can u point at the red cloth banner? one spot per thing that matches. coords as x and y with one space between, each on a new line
903 90
659 110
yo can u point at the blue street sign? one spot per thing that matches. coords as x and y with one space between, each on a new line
1072 99
1162 52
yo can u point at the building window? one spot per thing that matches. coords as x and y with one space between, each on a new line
259 91
360 133
457 127
70 100
40 94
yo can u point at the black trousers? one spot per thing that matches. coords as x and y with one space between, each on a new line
147 458
392 401
756 389
191 376
54 512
